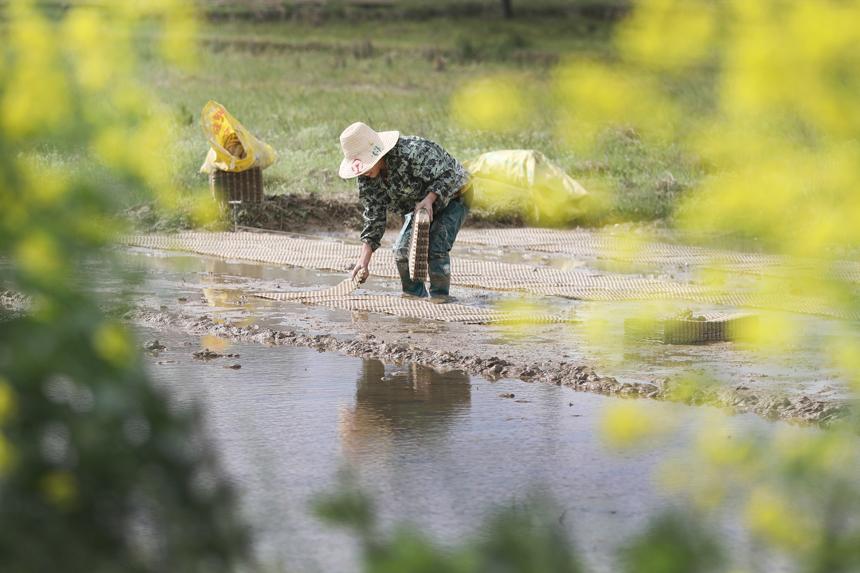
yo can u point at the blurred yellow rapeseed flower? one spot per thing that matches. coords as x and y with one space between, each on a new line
96 48
39 99
668 34
178 44
204 211
820 454
38 255
112 343
48 185
720 447
771 332
521 316
594 96
628 424
493 104
843 352
772 517
7 400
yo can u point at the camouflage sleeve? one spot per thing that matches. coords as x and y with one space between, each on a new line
375 209
442 174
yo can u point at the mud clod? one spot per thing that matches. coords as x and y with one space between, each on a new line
206 354
154 346
14 301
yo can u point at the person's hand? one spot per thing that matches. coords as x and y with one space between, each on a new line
427 204
360 271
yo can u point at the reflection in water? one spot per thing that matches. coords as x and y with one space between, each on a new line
401 404
219 268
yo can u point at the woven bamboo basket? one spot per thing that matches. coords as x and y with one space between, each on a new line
246 186
419 246
713 327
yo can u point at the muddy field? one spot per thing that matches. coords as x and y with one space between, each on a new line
214 297
206 296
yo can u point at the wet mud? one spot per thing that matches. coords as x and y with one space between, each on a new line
798 408
12 302
297 213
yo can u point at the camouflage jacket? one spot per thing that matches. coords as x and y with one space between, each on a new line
413 168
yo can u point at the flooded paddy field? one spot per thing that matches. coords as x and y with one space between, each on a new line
443 424
195 293
441 451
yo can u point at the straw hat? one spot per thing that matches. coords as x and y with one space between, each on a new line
363 148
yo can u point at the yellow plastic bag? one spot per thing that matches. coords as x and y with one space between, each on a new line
524 181
232 147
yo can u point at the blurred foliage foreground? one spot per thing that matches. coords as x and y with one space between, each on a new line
780 142
97 473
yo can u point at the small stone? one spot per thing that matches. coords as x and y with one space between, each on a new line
154 346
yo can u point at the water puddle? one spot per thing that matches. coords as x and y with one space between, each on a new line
439 450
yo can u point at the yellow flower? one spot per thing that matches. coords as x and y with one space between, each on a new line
493 104
38 99
39 255
112 343
179 40
720 446
204 211
770 516
669 34
628 424
7 400
91 39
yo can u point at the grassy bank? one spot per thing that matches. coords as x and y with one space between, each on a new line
297 86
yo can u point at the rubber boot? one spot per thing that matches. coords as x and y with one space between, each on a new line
410 287
440 277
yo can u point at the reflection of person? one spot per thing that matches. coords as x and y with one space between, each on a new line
386 406
405 174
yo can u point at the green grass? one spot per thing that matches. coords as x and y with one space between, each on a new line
403 9
303 85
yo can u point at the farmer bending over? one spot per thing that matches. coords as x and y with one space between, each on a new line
404 174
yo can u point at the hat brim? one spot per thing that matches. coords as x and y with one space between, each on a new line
389 140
